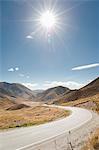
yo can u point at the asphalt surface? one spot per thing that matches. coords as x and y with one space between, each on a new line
20 138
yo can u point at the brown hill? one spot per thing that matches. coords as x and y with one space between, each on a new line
15 90
60 94
89 90
52 93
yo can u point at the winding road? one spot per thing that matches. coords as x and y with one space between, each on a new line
23 138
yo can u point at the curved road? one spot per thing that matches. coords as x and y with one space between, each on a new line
18 139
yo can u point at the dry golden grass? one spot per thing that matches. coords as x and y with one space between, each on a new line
5 103
30 116
89 103
93 142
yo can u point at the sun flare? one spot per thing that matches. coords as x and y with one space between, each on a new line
48 20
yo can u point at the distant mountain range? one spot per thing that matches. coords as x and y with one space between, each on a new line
15 90
57 94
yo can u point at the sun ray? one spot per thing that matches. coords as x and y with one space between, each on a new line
49 21
68 9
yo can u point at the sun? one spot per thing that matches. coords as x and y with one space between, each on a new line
48 20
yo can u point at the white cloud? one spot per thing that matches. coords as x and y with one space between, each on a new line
17 68
29 37
11 69
74 85
49 84
86 66
69 84
32 86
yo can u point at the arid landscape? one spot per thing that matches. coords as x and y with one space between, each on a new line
20 107
49 75
29 116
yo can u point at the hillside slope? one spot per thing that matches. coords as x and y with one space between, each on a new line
15 90
89 90
52 93
57 94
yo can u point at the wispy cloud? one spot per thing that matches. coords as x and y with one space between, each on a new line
69 84
11 69
17 68
86 66
21 75
29 37
31 86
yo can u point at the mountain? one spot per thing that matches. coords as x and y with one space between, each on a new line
89 90
61 94
15 90
56 95
52 93
37 92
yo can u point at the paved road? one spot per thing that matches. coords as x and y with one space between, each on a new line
18 139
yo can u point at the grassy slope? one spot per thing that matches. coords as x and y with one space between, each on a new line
30 116
5 103
89 103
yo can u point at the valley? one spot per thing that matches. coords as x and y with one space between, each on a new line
52 110
29 116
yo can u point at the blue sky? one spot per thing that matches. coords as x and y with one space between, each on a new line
38 63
